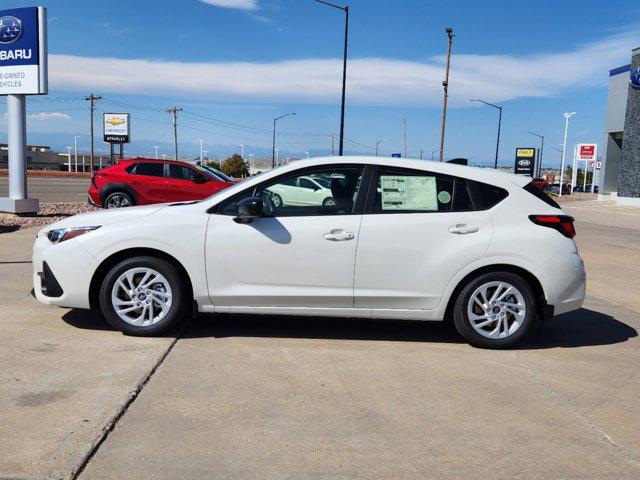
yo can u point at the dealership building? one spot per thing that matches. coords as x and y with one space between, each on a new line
621 175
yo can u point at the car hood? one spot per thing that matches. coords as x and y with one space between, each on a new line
104 217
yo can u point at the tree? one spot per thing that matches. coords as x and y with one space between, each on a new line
214 164
234 166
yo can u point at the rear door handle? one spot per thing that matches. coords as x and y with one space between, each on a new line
463 229
338 235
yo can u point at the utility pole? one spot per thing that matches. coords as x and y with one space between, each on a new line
174 113
567 116
405 137
420 154
156 147
333 139
92 99
538 168
75 151
241 150
445 84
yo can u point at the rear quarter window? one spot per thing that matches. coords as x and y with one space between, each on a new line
490 195
540 195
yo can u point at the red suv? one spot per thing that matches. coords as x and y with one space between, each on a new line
143 181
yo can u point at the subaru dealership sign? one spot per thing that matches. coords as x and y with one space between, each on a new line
23 51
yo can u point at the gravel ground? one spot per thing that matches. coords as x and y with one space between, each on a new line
49 213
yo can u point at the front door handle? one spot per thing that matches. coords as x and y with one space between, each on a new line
463 229
338 235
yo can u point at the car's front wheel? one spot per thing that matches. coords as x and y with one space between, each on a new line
495 310
143 296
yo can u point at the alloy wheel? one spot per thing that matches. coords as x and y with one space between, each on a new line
141 296
496 309
118 200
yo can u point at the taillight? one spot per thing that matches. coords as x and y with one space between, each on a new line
561 223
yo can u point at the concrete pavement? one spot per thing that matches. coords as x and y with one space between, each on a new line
53 189
269 397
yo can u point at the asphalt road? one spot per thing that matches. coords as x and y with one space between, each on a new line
273 397
52 189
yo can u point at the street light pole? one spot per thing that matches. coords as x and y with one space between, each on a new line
344 69
445 84
273 150
378 145
241 150
495 162
567 116
75 151
201 149
539 165
156 147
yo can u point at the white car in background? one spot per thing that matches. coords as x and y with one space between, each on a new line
403 239
303 191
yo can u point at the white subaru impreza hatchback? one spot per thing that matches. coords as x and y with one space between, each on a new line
403 239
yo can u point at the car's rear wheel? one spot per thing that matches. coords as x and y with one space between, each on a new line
495 310
143 296
118 200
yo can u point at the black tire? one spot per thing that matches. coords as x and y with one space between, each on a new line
329 201
463 323
176 312
118 199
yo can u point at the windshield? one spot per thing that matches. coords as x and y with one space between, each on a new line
217 173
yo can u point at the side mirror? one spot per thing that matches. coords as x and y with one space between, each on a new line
249 209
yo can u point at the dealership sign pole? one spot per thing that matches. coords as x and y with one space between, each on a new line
23 71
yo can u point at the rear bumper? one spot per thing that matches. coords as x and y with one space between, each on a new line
565 281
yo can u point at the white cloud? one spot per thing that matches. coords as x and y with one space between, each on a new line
49 116
371 81
239 4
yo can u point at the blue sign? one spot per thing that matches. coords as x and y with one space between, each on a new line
635 78
10 29
23 54
396 155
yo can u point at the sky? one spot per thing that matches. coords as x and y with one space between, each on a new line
234 65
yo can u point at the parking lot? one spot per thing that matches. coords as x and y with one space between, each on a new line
274 397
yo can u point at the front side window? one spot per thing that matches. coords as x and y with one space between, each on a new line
301 195
150 169
180 172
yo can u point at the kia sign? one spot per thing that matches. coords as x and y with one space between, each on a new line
587 152
116 127
23 51
525 161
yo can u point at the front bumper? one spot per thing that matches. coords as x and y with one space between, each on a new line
62 273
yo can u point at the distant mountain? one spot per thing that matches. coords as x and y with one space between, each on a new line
145 148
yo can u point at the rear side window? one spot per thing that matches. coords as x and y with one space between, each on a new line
490 195
539 194
150 169
131 168
409 191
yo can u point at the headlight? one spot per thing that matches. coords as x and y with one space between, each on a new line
62 234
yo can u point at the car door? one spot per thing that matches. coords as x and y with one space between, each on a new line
185 183
419 229
294 256
149 182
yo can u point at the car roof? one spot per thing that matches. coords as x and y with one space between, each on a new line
153 160
487 175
